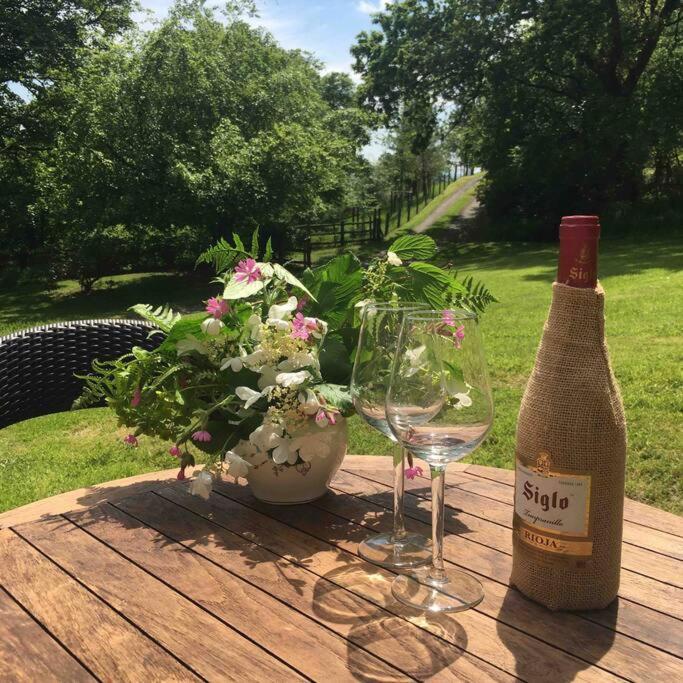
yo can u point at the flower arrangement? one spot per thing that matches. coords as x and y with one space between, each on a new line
260 376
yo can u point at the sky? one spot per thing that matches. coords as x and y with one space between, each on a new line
327 28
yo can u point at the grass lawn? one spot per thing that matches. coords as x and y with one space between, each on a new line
643 281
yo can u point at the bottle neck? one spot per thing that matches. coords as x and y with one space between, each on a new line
578 260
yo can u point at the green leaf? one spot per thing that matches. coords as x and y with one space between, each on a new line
285 275
337 395
335 363
242 290
255 244
269 250
188 324
163 317
409 247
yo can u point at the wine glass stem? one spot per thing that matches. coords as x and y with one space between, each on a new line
438 484
399 484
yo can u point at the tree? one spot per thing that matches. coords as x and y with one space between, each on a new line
200 127
560 96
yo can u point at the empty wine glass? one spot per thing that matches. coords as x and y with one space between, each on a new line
439 406
369 383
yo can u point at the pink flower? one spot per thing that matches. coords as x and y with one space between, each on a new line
302 303
217 307
131 440
181 474
458 336
174 451
247 270
303 327
201 435
135 400
412 472
448 318
325 416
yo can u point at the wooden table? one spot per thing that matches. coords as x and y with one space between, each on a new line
139 581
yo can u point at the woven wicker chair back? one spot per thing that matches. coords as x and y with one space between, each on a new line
38 365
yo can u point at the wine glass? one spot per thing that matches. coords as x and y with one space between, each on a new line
439 406
369 383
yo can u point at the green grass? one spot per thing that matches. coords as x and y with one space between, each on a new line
434 203
29 305
643 282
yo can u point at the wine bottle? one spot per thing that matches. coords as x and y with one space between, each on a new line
571 444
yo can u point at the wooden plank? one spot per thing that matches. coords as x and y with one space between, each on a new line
642 589
366 616
100 638
344 613
634 511
498 535
657 629
86 497
29 654
207 646
311 649
501 494
288 532
650 538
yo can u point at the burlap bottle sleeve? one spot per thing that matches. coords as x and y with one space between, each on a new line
572 413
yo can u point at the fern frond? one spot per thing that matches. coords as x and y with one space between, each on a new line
224 255
475 297
163 317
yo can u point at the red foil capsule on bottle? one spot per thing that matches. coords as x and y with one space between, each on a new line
578 261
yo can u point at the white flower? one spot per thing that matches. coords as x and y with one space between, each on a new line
189 344
322 329
212 326
309 402
363 302
245 449
292 379
254 326
300 359
249 396
464 401
393 259
266 436
254 359
237 466
235 364
285 452
281 312
201 485
267 378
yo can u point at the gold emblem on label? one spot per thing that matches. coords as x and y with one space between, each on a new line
543 464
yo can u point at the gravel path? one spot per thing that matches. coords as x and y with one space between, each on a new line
448 202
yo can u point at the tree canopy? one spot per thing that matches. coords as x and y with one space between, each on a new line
568 105
195 129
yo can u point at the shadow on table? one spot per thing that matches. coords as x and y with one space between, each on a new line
532 668
379 625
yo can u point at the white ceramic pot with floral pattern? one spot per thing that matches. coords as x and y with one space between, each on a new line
319 454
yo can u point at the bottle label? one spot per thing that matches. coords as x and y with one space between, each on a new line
552 507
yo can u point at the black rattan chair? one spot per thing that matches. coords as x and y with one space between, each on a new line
37 366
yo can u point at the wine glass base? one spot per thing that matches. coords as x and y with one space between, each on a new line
458 592
412 550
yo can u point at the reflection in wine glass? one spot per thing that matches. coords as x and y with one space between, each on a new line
369 382
439 406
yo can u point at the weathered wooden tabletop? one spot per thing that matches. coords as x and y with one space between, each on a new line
139 581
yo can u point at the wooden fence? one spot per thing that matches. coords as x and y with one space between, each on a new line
359 225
